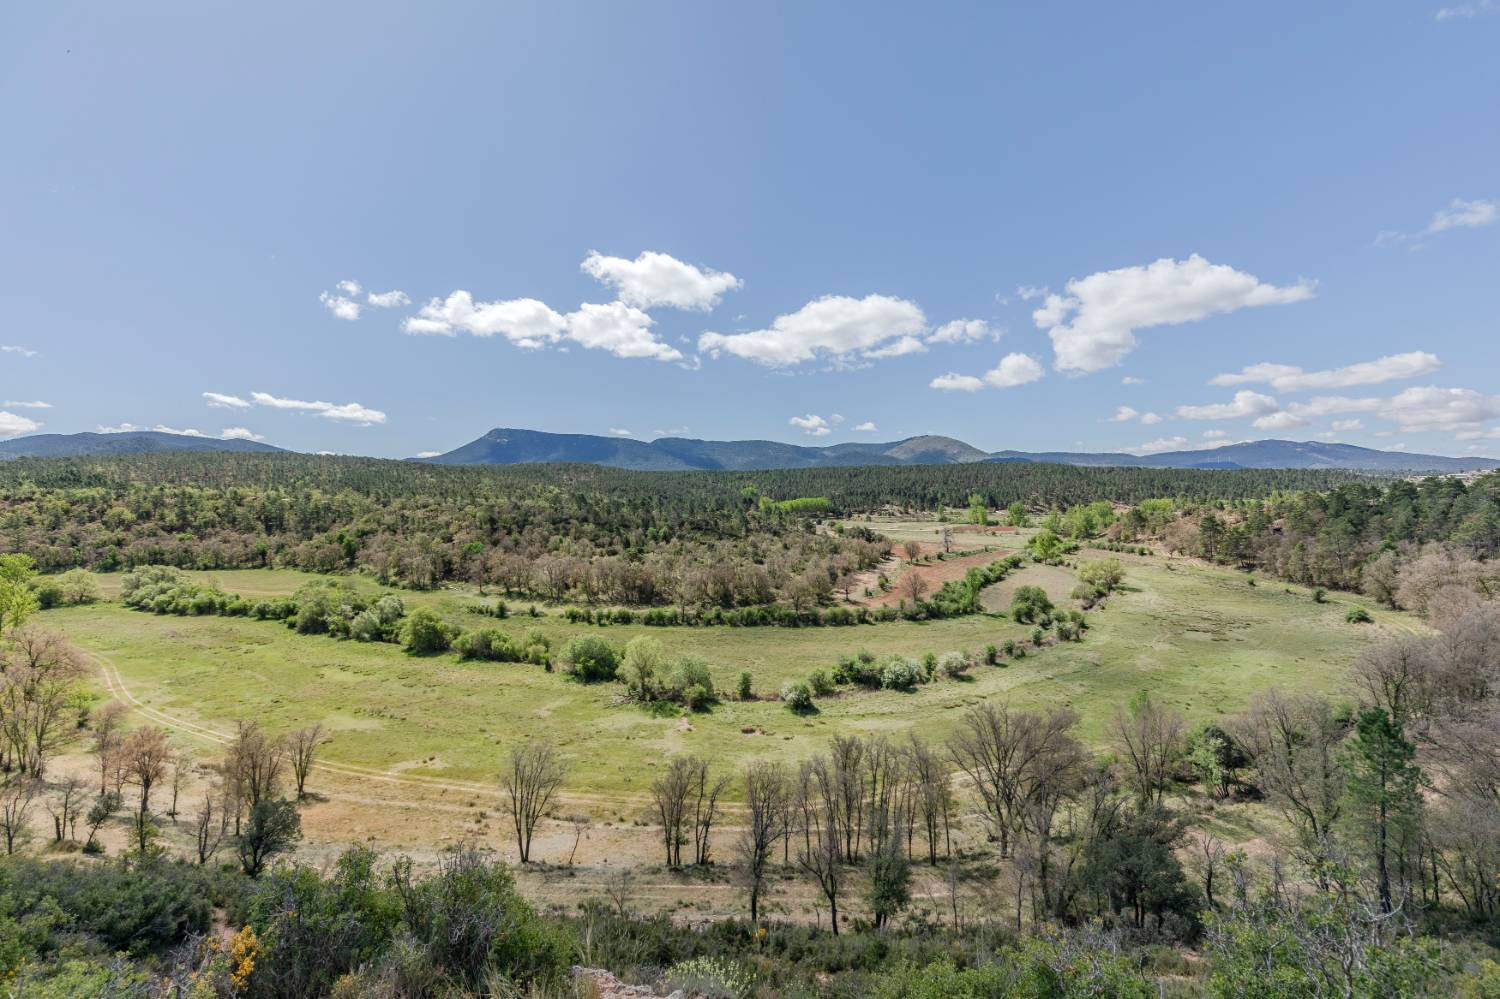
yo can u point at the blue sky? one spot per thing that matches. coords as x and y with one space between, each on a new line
999 222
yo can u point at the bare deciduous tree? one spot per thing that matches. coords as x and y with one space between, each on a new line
1294 743
932 791
912 585
1149 738
669 794
254 763
17 795
531 779
767 788
303 746
39 674
106 740
68 797
145 756
210 826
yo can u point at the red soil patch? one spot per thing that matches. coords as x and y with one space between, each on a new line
935 573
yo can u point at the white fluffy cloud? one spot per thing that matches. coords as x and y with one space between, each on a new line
393 299
620 432
131 428
1214 435
349 412
1461 214
657 279
964 331
898 348
1245 403
1467 10
1014 369
1125 414
218 400
1299 414
867 427
12 424
621 329
1431 408
812 425
525 322
1288 378
1342 425
1093 324
240 434
33 404
341 306
833 326
1159 445
428 454
11 348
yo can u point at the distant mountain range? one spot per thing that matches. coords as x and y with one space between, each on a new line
134 442
681 454
505 446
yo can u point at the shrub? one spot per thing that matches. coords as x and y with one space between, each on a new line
691 683
1358 615
591 659
953 664
900 673
425 632
48 593
798 696
821 682
1030 604
644 664
364 628
1320 596
490 644
743 687
711 978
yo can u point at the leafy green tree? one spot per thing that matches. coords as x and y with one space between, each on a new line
273 827
1382 792
17 601
979 512
424 632
644 665
1030 604
1017 516
591 659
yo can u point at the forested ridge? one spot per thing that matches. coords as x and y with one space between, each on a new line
628 537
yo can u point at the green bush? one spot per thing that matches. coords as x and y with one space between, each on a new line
798 696
1030 604
821 682
1358 615
590 659
424 632
900 673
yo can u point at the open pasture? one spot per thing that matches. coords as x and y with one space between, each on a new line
1198 637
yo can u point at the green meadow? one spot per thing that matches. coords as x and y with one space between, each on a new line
1202 639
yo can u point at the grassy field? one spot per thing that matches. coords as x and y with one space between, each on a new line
1199 638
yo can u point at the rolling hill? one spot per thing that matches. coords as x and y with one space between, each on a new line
507 446
134 442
